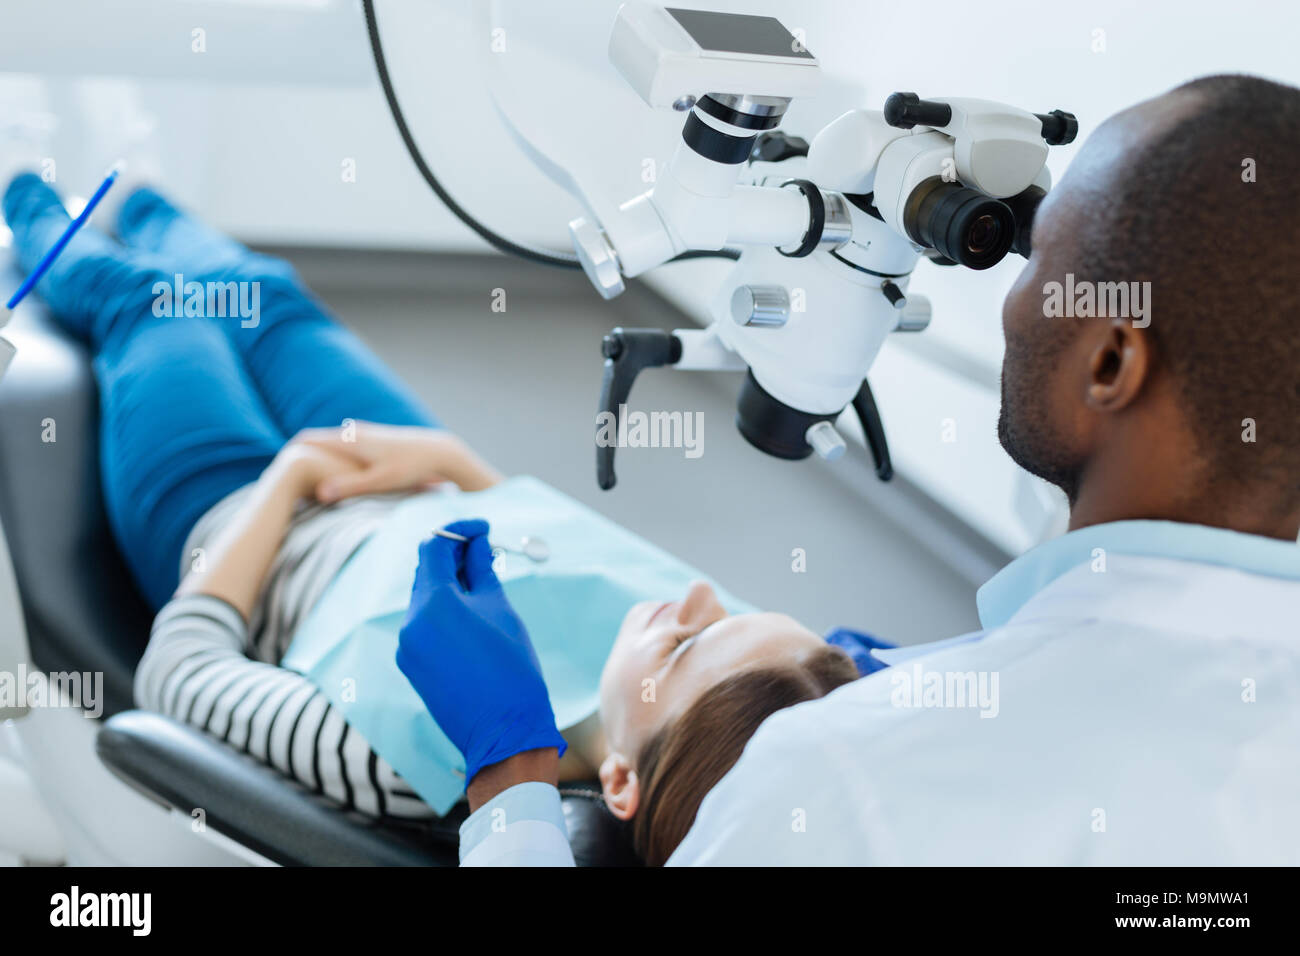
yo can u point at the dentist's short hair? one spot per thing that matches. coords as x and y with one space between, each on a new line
1207 212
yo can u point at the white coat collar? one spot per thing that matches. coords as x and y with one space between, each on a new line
1008 591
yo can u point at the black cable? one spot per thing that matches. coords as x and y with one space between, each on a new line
559 259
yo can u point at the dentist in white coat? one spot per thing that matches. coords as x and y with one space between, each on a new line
1134 697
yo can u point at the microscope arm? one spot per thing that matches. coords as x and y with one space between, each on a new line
749 216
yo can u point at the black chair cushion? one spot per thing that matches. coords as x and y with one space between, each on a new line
253 804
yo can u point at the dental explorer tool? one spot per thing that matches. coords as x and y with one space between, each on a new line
532 548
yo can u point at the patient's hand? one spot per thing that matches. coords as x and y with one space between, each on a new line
242 552
395 458
301 469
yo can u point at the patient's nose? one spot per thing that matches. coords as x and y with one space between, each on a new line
700 605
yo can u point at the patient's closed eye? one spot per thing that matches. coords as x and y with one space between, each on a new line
681 645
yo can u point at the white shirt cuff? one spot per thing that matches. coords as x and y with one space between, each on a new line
521 826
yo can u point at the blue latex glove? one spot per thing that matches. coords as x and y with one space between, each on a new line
468 656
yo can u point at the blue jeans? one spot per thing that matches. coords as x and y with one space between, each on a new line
192 408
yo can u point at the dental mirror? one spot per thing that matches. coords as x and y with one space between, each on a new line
535 549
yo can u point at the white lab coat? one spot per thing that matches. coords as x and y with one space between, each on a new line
1142 681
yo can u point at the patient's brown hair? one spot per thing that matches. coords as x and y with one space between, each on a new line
686 758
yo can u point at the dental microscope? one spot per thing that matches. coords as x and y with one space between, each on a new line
829 231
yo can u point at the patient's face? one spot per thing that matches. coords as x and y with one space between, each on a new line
669 652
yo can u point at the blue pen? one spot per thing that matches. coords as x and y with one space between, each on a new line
48 259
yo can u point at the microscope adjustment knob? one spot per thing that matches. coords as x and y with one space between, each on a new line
894 294
907 111
598 258
915 315
1059 127
761 305
825 440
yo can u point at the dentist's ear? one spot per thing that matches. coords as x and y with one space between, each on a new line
1119 366
619 783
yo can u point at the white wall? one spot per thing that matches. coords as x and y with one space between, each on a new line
253 133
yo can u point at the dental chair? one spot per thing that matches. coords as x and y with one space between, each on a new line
189 798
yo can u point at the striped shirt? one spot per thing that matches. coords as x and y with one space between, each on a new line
207 667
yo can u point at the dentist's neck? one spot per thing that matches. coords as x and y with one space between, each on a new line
1158 475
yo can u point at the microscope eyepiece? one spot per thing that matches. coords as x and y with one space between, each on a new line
959 223
742 119
1024 207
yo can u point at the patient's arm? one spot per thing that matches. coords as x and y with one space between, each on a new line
396 458
196 667
239 558
195 670
328 464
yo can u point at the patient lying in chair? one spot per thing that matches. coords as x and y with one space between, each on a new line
247 452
